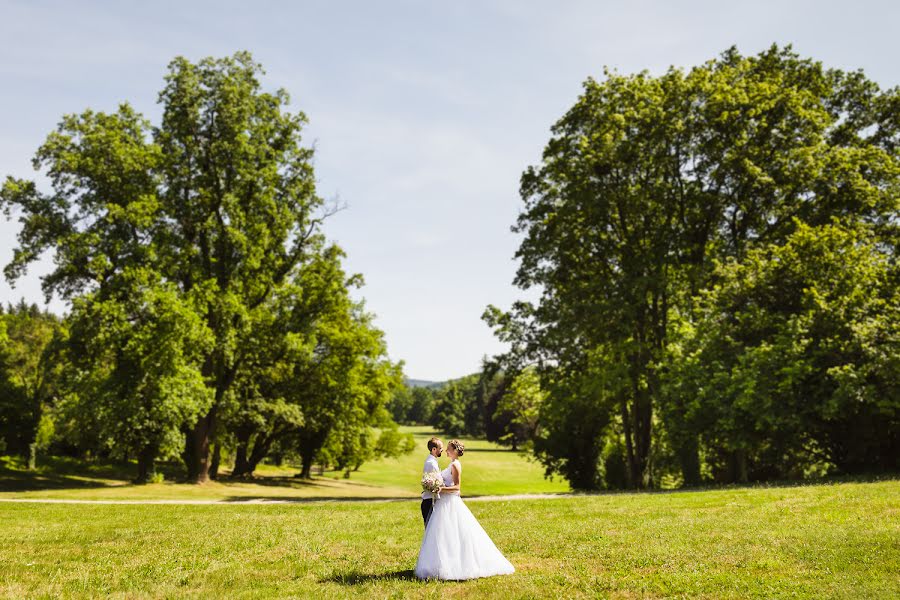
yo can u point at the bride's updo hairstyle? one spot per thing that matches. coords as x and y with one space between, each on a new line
457 446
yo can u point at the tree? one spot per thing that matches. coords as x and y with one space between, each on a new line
344 380
28 379
137 356
219 200
795 358
422 405
647 180
521 402
270 402
459 407
401 404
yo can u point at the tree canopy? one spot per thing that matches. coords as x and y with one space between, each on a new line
192 253
647 183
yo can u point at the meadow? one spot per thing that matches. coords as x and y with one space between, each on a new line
815 541
359 537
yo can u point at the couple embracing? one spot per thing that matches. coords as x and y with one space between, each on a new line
455 546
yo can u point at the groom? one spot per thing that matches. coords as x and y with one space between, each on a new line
435 448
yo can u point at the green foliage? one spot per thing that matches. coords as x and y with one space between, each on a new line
412 405
422 406
644 185
393 443
794 356
521 403
400 405
575 415
138 359
457 410
218 202
345 384
28 378
207 308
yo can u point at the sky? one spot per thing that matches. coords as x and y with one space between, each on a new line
423 115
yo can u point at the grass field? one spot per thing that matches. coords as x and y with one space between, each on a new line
817 541
489 469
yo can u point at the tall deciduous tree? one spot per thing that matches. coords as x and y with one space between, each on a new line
647 179
218 200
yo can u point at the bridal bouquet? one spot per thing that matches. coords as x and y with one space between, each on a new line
432 482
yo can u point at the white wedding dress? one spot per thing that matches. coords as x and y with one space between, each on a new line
455 546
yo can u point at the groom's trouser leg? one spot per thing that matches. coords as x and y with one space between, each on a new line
427 507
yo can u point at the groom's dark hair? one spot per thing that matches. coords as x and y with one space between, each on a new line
434 443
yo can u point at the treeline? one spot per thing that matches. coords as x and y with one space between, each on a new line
716 256
493 404
209 316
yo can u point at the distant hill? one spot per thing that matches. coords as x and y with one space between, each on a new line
423 383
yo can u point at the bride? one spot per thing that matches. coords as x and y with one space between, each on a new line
455 545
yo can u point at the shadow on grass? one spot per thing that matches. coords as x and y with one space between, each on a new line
26 481
56 474
363 578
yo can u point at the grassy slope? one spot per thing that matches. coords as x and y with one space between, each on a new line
488 469
814 541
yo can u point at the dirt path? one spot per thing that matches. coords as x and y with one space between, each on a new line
312 500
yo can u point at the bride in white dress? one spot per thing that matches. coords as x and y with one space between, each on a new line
455 545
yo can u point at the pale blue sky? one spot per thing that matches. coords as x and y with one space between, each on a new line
424 114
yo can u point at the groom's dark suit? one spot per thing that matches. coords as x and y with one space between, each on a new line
431 464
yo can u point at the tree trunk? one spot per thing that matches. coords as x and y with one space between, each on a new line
197 450
306 469
241 466
260 450
32 456
689 460
739 459
146 464
216 459
629 443
310 443
643 428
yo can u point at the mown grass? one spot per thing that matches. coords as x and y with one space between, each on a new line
489 469
817 541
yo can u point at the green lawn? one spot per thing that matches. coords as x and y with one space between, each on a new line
817 541
488 469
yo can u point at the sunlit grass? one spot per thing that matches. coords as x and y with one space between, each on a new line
818 541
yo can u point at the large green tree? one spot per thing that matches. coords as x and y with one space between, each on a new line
218 200
293 350
344 387
646 180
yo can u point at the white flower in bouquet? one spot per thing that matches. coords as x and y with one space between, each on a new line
432 482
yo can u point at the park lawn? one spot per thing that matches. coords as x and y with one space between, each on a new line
817 541
488 469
